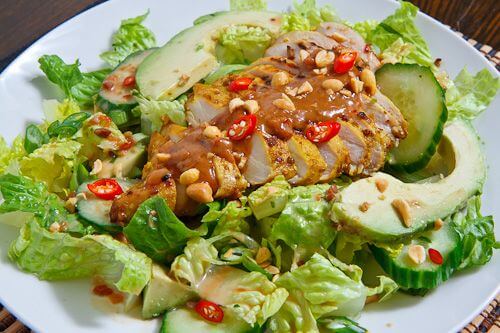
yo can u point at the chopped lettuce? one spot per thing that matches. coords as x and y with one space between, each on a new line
59 256
400 28
241 44
306 16
131 37
222 71
364 28
81 87
152 113
155 230
10 156
477 234
233 217
294 316
386 288
304 224
55 110
469 95
52 164
247 4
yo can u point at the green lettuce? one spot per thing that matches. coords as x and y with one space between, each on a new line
131 37
386 288
76 85
469 95
306 16
155 230
152 112
10 156
294 316
52 164
364 28
477 234
247 5
304 224
233 217
59 256
241 44
55 110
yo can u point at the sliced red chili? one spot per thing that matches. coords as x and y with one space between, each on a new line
436 256
242 127
129 81
209 311
322 131
344 62
108 85
106 189
101 120
240 84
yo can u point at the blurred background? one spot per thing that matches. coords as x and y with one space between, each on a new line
24 21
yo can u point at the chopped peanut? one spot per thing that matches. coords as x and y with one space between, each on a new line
97 167
212 132
272 269
416 253
163 157
200 192
303 54
324 58
338 37
381 184
284 103
263 254
356 85
305 88
291 91
189 176
403 209
320 71
438 224
369 80
333 84
235 103
252 106
364 207
279 79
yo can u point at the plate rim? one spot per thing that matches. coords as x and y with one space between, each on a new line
427 19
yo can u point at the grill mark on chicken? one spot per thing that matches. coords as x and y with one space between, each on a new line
370 126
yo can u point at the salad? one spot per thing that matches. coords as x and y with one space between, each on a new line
260 172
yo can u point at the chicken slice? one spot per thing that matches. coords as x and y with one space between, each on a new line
335 155
399 126
356 145
207 102
291 43
268 158
308 160
353 40
231 182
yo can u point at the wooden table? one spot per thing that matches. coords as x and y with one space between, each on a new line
24 21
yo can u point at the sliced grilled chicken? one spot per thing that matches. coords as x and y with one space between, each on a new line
207 102
308 160
335 155
356 145
126 204
268 158
290 44
399 126
231 182
353 40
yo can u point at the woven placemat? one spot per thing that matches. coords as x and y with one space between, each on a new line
487 321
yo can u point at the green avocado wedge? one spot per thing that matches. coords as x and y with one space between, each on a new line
427 201
190 55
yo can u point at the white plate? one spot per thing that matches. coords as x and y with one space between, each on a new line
67 306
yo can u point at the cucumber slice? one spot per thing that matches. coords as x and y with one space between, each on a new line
95 211
417 93
428 274
117 101
188 321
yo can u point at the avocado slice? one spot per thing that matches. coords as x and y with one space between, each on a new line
162 294
190 55
130 164
428 201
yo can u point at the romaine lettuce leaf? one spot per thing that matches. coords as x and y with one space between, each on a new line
81 87
156 231
131 37
233 217
59 256
55 110
52 163
469 95
241 44
386 288
477 234
304 224
10 156
247 4
153 111
307 16
294 316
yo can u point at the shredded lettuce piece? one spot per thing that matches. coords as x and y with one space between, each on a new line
232 217
307 16
10 156
52 164
247 5
386 288
161 235
55 110
364 28
470 95
294 316
81 87
131 37
477 234
153 111
241 44
59 256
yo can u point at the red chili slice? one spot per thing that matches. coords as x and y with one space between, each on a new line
240 84
106 189
242 127
129 81
436 256
209 311
344 62
322 131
